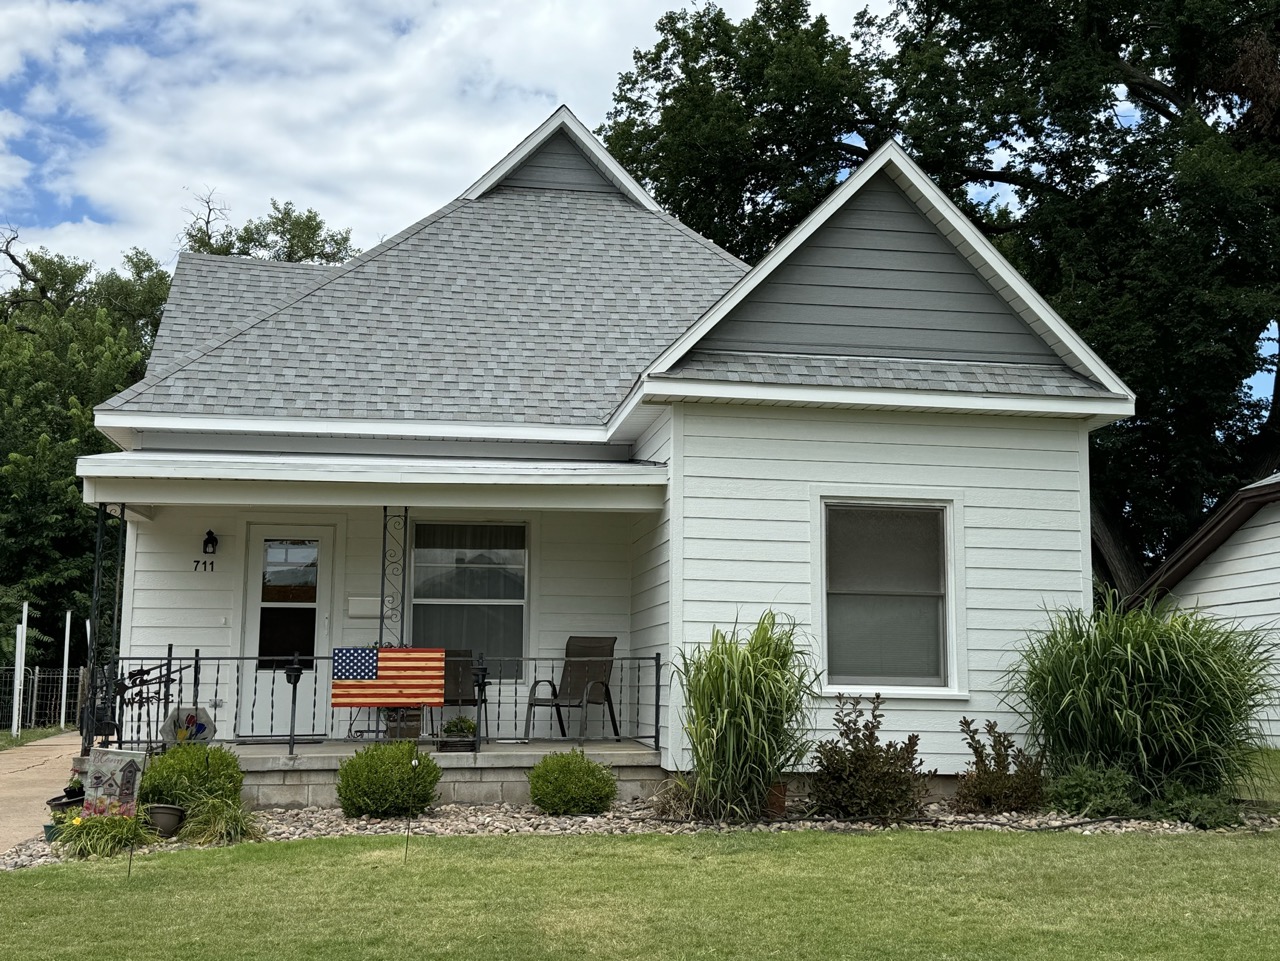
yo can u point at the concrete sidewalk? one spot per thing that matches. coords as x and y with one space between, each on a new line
29 776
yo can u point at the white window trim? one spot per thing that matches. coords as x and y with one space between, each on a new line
529 569
951 502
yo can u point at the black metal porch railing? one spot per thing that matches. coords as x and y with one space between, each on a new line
252 700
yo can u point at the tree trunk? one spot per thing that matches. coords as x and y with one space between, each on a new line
1124 570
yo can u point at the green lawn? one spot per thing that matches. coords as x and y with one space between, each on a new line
883 896
27 735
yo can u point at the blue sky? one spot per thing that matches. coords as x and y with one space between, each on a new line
114 114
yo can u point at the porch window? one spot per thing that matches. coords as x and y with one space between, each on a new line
469 587
886 595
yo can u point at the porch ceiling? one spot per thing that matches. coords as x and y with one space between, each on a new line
349 480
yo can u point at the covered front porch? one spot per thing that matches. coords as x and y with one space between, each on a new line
235 592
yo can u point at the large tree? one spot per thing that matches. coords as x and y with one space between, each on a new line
1122 155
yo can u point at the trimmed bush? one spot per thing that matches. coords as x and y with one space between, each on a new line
571 784
1001 777
1171 697
187 773
103 836
382 781
858 777
747 715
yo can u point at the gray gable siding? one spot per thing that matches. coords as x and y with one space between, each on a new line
559 165
878 279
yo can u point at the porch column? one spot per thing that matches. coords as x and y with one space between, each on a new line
395 577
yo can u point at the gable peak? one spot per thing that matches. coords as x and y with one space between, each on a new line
563 129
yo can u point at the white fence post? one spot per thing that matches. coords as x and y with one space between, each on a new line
66 659
19 663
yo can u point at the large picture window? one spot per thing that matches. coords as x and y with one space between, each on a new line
469 588
886 595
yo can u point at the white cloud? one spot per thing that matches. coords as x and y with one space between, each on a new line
374 113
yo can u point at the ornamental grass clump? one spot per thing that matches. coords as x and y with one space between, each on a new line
103 836
1170 697
747 707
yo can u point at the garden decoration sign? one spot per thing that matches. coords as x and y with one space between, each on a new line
186 725
111 783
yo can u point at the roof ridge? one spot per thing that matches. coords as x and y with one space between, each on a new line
288 300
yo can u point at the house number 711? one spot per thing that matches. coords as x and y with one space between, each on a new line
202 565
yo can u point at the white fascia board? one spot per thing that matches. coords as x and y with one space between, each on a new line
121 423
1064 341
1110 408
563 120
138 465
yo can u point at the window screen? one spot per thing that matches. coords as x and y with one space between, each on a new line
469 589
885 595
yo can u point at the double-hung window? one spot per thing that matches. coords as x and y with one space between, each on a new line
886 603
469 588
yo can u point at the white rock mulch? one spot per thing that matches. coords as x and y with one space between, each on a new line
635 817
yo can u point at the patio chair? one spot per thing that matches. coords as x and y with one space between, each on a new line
462 688
588 663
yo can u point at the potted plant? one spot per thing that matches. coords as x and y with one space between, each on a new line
74 788
458 734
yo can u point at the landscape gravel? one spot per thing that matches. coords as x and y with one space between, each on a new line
633 817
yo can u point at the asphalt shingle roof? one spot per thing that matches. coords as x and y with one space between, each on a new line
207 290
523 305
820 370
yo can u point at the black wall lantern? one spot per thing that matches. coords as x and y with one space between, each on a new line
210 543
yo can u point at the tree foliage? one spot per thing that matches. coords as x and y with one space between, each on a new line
70 338
284 234
1122 155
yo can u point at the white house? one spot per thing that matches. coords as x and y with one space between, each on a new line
1230 567
549 409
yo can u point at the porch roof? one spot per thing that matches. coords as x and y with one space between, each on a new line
139 478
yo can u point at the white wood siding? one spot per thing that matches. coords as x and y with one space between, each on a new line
1241 581
748 494
651 576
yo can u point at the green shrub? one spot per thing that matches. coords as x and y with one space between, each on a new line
1205 811
216 820
858 777
1001 777
103 836
1169 696
746 713
382 781
187 773
1095 791
571 784
459 726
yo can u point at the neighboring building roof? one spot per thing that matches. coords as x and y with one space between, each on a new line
1224 522
208 292
1047 380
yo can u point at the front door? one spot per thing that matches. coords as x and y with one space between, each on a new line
287 608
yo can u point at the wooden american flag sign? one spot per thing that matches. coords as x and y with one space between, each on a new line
388 677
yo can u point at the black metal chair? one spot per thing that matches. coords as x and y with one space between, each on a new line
588 664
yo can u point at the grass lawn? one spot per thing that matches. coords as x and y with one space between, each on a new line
27 735
743 896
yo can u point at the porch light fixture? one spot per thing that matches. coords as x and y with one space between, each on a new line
210 543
